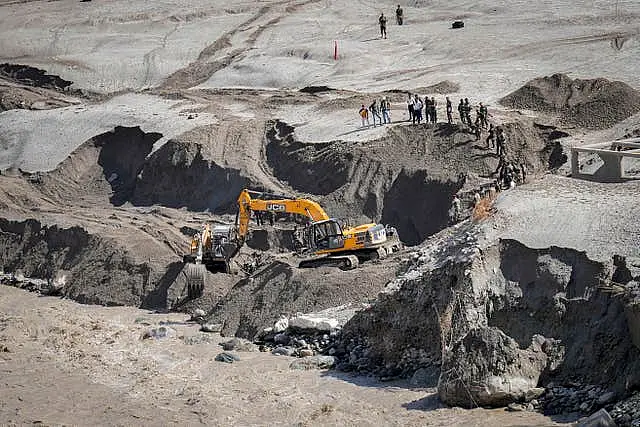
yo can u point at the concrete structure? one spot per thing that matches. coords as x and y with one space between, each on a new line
612 153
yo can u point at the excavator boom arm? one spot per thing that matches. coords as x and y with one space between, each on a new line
246 204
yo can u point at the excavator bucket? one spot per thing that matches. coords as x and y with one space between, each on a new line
195 275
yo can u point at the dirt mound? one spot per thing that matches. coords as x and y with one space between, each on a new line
258 301
380 180
457 286
592 104
443 88
33 76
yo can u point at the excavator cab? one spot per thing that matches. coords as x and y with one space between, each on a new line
325 235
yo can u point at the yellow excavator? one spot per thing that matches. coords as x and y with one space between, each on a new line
327 243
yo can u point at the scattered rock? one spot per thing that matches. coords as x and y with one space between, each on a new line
198 315
281 325
309 322
211 327
305 352
281 339
159 333
283 351
199 339
515 407
606 398
238 344
627 411
598 419
533 393
313 362
227 357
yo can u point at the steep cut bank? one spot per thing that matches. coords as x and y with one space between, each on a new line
408 177
119 166
592 103
97 270
178 175
544 305
258 301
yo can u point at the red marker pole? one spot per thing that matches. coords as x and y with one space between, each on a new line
335 50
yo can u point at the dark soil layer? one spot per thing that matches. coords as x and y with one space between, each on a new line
33 76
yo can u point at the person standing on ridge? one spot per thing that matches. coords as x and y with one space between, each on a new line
384 107
492 137
484 112
383 26
417 110
467 112
399 15
373 109
433 113
449 111
461 111
410 107
364 115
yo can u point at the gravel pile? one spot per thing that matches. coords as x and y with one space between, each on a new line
592 104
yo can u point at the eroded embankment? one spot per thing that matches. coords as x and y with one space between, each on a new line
96 270
495 322
120 166
256 302
408 177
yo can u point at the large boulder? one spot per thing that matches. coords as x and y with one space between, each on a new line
488 368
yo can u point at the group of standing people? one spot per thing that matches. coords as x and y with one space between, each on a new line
415 107
376 110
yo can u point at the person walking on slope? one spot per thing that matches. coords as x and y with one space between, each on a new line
399 15
373 109
492 137
449 111
500 143
364 115
384 107
456 209
383 26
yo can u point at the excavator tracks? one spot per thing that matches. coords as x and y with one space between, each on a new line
343 262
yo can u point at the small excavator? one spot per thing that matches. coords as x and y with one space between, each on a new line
327 243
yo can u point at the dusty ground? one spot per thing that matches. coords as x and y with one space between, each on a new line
102 371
